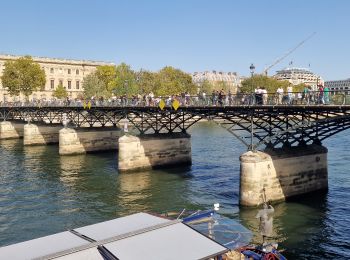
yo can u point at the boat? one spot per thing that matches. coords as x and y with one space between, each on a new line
137 236
262 252
191 235
229 233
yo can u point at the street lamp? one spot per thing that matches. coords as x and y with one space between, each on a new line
126 91
252 69
251 148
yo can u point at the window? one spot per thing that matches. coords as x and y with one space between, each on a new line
52 84
60 70
77 72
77 84
61 82
51 70
69 84
69 71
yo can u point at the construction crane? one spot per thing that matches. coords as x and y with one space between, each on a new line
287 54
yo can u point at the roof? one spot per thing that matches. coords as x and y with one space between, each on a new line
57 60
138 236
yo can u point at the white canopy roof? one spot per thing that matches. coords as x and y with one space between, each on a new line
138 236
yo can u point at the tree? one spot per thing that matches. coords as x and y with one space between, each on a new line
222 85
23 76
147 81
174 81
125 81
94 87
271 84
206 86
107 74
60 92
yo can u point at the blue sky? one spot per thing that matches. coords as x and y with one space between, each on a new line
192 35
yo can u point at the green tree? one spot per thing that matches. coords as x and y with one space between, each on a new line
271 84
174 81
222 85
147 81
125 81
299 88
107 74
23 76
94 87
206 86
60 92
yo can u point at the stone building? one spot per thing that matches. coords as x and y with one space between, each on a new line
69 73
339 85
231 79
299 75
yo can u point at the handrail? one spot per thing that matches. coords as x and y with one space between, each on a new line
239 99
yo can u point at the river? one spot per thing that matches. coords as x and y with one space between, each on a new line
42 193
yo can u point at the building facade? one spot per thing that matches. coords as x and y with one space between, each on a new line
297 76
339 85
231 79
69 73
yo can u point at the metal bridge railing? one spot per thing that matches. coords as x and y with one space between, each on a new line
241 99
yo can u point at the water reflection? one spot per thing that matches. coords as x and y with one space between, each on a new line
295 223
133 190
71 167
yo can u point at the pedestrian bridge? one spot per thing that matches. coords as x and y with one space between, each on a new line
255 126
291 160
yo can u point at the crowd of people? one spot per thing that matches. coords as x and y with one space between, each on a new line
216 98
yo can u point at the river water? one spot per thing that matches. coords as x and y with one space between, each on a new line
43 193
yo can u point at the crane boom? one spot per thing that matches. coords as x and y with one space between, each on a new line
287 54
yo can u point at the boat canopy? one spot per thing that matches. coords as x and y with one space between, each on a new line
138 236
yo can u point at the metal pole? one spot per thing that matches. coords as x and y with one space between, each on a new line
251 131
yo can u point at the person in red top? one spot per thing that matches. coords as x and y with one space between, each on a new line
321 94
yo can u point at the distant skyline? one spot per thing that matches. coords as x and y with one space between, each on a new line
192 35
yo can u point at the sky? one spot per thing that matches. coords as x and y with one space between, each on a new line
192 35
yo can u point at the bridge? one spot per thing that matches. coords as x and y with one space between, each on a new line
291 160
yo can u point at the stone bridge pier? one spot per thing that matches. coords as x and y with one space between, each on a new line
11 130
282 173
83 140
153 151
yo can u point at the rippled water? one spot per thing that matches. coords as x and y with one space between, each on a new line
42 193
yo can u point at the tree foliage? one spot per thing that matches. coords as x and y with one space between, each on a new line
147 81
206 87
107 74
94 87
23 76
125 81
60 92
271 84
174 81
122 80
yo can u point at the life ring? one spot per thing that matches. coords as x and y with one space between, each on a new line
270 256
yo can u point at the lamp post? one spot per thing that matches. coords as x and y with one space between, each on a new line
126 91
252 69
251 148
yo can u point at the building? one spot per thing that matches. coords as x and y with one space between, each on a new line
69 73
231 79
339 85
297 76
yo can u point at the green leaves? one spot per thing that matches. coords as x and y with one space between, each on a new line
23 76
122 80
271 84
60 92
95 87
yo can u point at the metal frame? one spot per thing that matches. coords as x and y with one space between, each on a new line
254 126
